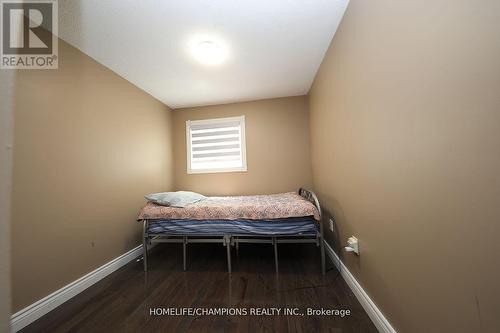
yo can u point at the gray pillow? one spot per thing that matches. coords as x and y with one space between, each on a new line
179 199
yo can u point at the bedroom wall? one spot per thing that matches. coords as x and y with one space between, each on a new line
87 146
405 134
6 90
277 145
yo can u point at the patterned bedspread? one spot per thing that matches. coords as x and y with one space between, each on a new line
253 207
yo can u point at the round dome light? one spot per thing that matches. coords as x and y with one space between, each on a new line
209 52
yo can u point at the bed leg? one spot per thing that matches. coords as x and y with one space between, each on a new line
323 263
227 243
184 250
145 240
275 244
145 253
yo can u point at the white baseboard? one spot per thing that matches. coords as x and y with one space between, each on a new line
370 307
26 316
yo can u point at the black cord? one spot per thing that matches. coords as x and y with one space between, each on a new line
314 286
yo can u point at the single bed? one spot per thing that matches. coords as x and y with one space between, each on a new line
272 219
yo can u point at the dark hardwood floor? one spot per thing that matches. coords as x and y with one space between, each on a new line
122 301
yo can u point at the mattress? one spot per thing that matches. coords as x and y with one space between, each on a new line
287 226
250 207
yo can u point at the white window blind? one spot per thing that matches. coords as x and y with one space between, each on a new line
216 145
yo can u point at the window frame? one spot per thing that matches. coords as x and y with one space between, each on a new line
189 123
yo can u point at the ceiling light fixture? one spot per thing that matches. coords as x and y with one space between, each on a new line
209 52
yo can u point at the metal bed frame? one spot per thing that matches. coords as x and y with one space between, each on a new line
235 239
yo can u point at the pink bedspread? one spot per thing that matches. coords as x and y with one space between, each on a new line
253 207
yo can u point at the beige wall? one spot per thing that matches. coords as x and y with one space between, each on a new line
405 128
277 144
6 91
87 146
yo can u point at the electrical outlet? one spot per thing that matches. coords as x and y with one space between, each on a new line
331 224
352 245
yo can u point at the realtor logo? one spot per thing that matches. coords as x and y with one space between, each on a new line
29 34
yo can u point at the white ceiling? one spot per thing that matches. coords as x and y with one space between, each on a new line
275 46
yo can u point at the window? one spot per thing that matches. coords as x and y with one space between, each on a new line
216 145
